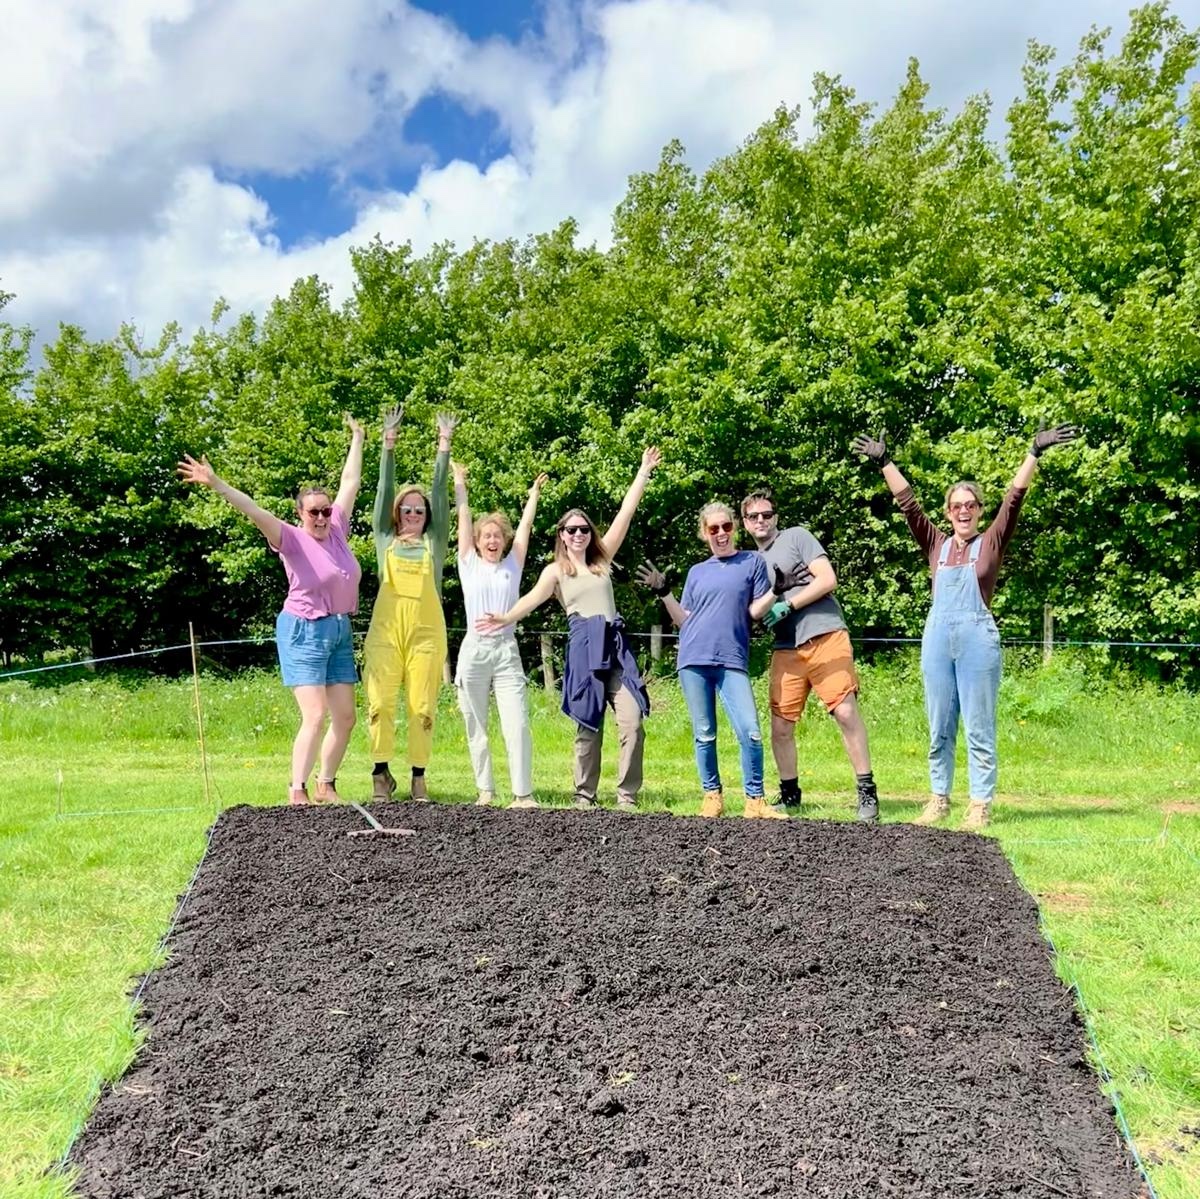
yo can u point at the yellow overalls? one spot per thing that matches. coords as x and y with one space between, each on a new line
405 647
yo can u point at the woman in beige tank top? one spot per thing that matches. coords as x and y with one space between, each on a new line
579 578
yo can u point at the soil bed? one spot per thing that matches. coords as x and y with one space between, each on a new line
551 1003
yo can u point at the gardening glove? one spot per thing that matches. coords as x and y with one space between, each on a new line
784 581
1045 438
874 448
780 610
650 576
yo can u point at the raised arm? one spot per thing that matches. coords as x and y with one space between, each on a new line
352 471
520 545
1044 440
462 508
538 594
619 529
381 514
199 472
922 528
439 499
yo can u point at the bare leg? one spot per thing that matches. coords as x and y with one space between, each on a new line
340 700
854 733
310 699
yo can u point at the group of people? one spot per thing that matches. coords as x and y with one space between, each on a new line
786 583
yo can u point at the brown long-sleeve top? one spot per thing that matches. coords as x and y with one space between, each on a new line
995 538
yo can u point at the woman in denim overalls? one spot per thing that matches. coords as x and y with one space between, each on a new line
960 648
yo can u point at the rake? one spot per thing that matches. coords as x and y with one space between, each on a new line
376 829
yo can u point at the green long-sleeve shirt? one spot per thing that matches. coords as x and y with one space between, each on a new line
438 526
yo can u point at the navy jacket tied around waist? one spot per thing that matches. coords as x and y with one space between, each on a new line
594 647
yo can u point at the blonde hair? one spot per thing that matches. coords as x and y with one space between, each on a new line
595 555
965 485
401 495
710 510
493 518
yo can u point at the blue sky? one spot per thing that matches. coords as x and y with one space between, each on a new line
159 154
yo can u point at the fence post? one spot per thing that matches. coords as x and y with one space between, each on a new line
1047 633
548 680
656 642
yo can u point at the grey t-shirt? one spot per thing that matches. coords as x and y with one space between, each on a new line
798 547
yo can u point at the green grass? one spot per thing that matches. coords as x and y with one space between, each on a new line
104 814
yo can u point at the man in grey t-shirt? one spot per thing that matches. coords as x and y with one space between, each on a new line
812 652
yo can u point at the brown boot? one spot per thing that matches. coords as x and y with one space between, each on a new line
326 791
936 808
757 808
418 792
979 816
713 804
383 786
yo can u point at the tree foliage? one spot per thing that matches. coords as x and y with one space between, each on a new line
897 270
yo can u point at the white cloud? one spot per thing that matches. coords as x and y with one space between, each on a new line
119 117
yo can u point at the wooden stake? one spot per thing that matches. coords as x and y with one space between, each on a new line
199 715
656 642
1047 633
547 663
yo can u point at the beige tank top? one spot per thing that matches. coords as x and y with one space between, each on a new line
586 594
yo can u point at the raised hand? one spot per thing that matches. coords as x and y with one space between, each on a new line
460 473
356 429
447 422
1045 438
651 457
191 471
536 486
391 425
650 576
873 448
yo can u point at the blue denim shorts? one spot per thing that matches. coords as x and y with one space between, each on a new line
315 653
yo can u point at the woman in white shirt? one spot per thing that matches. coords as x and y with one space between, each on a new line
490 573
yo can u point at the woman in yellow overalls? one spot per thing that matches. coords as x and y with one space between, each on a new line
406 642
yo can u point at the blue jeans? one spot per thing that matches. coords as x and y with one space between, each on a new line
314 653
960 659
701 685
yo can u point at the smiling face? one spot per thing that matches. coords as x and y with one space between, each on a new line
411 514
762 521
490 542
964 511
718 529
575 534
316 512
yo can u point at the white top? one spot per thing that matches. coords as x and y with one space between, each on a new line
489 587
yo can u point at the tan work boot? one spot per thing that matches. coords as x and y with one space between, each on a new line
418 792
383 786
937 808
757 808
297 795
979 815
524 801
713 804
486 799
326 791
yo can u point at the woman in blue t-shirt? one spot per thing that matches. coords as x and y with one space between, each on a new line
721 597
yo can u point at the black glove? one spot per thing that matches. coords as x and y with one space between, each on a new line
874 448
650 576
1045 438
798 576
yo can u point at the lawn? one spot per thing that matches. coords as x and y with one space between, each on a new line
104 818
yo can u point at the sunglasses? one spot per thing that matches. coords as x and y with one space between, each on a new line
411 510
726 526
325 512
575 530
761 515
966 506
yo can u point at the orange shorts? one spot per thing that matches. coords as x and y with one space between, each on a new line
824 665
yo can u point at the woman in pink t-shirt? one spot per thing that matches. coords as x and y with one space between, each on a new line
312 633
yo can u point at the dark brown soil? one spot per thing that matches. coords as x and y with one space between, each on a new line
554 1003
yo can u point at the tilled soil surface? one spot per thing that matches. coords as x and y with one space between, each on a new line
552 1003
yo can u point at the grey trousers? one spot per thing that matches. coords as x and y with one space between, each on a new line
631 739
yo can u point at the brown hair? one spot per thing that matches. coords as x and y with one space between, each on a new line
493 518
405 491
709 510
594 555
762 493
305 492
965 485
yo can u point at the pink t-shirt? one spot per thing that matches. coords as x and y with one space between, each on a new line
322 575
